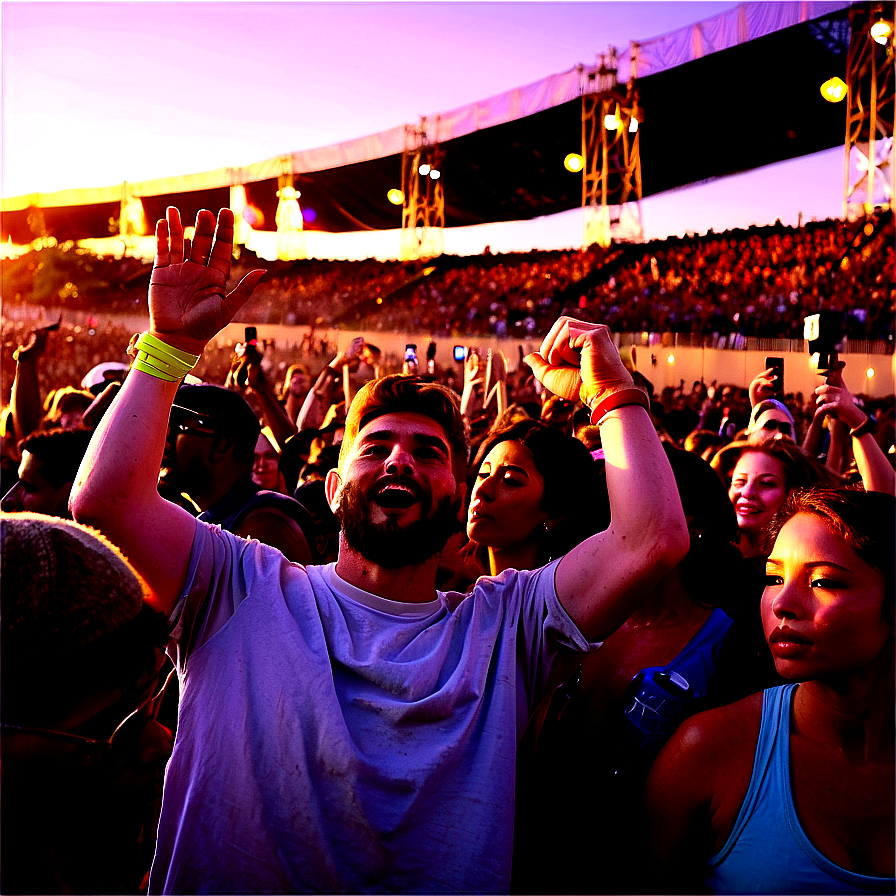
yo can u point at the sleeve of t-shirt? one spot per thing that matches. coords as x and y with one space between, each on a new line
215 587
547 640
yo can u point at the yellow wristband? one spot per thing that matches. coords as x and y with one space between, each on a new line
143 367
161 360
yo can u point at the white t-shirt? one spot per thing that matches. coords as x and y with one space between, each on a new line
330 740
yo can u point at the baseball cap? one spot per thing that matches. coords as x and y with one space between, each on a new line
222 410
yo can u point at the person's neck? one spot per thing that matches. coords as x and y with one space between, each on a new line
519 557
749 543
406 584
853 712
220 485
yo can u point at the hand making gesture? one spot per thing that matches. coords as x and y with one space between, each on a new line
579 360
187 302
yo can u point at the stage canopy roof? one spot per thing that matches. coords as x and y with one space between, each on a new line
735 92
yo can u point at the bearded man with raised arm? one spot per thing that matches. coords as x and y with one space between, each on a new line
348 728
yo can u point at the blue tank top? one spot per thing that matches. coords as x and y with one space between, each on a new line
768 851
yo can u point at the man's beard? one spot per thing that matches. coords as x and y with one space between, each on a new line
390 544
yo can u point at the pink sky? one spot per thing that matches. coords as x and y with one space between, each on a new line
98 93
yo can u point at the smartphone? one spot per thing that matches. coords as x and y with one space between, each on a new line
410 352
251 336
460 353
777 364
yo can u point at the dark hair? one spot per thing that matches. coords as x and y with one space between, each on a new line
865 520
572 489
412 395
60 451
713 555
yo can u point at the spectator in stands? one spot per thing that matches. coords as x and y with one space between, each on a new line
806 767
759 478
324 742
266 467
690 645
770 420
50 461
213 434
535 495
82 755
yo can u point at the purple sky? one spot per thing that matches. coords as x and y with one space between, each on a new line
98 93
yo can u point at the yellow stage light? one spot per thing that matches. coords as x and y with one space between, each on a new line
633 125
671 359
833 90
574 162
424 169
396 197
434 173
612 123
869 372
881 31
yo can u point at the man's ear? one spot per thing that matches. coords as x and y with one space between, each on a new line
332 485
222 445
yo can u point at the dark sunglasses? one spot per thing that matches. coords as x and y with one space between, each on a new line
785 428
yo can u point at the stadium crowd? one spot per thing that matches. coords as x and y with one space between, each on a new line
449 631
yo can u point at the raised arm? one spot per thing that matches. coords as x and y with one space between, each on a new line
834 399
116 488
601 581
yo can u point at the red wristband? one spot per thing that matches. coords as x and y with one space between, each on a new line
619 400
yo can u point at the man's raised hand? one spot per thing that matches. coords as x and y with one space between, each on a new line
579 360
187 302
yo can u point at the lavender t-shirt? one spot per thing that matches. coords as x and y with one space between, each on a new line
330 740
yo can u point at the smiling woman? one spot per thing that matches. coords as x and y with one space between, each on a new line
807 766
759 478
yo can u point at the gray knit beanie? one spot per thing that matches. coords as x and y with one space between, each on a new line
63 585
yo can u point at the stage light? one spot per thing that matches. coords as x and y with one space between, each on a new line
396 197
611 122
881 31
670 359
869 372
833 90
434 173
633 125
574 162
424 169
287 193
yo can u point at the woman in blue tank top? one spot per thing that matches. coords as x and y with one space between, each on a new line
791 790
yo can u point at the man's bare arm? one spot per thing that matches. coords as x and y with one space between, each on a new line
602 580
116 488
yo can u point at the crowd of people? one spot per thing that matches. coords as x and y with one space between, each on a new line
760 282
532 631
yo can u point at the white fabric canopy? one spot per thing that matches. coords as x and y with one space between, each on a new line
745 22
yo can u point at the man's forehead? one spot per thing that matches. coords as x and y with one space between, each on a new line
388 426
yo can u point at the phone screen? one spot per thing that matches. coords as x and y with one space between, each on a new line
460 353
777 365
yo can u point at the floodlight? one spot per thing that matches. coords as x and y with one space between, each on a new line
881 31
424 169
395 196
611 122
633 125
833 90
434 173
574 162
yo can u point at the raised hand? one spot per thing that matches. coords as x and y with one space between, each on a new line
579 360
835 400
762 386
187 302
